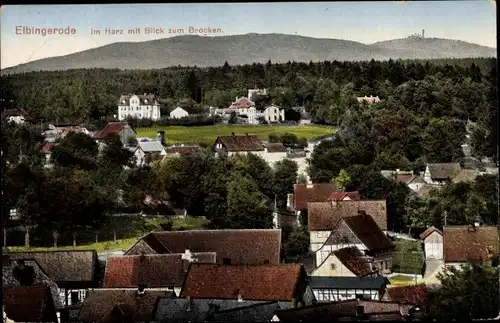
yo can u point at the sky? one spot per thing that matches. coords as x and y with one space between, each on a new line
365 22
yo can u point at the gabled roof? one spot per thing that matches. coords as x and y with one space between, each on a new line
325 216
259 282
110 128
197 310
304 193
8 113
178 109
242 103
367 230
352 258
339 282
466 175
261 312
150 146
240 246
64 266
463 243
429 231
27 304
276 148
151 98
372 309
444 171
415 294
102 305
339 196
184 150
240 143
153 271
16 271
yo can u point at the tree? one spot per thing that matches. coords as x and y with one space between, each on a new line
442 141
285 175
247 207
470 292
76 150
416 215
479 142
114 155
342 179
296 246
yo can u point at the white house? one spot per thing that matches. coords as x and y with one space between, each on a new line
178 113
148 148
334 289
18 116
369 100
274 114
414 182
275 152
231 145
345 262
433 243
144 106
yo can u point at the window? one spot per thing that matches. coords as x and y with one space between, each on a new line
74 297
333 266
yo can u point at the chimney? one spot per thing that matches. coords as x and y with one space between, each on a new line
294 302
246 133
289 201
310 185
240 298
141 289
476 224
188 305
232 133
397 170
334 202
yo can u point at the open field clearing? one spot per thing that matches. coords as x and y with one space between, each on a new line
208 134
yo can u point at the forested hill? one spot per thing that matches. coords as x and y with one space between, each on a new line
190 50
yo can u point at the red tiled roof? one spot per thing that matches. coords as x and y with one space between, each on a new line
462 243
242 103
367 230
47 147
153 271
240 143
276 148
339 196
403 177
444 171
99 305
183 150
416 294
304 193
325 216
110 128
259 283
428 232
247 246
26 304
6 114
352 258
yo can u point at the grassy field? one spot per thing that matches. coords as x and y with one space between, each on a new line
400 280
406 257
208 134
128 231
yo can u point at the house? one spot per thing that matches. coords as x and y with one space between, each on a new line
345 262
279 283
369 100
178 113
417 295
76 129
462 244
182 150
433 243
29 304
18 116
345 196
348 310
147 151
273 113
157 271
336 227
274 153
334 289
305 193
73 271
47 151
231 145
139 107
27 272
120 305
245 246
440 174
414 182
122 129
466 175
205 310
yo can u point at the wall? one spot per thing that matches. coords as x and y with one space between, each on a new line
139 248
325 295
325 268
433 246
273 158
126 133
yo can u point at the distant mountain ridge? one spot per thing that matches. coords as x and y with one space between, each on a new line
191 50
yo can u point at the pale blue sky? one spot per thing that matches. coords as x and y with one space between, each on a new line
366 22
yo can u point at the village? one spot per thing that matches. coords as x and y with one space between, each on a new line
350 271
